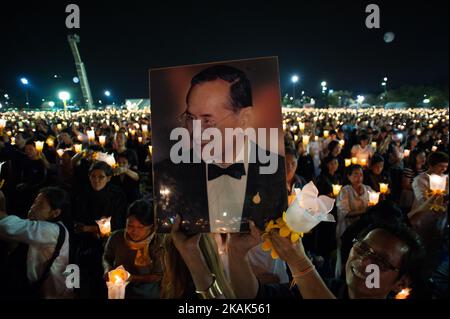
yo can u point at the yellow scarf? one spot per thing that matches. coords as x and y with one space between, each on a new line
142 258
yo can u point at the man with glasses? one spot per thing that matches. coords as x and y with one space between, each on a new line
221 196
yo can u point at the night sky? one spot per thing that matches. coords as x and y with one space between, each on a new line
318 40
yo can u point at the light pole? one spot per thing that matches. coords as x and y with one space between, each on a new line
294 80
323 84
64 96
25 83
384 85
107 94
360 99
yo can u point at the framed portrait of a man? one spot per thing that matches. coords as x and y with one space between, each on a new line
218 150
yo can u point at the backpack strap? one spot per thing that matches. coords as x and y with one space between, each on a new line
61 238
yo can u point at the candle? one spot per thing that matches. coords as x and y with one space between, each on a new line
104 224
342 142
2 124
39 146
354 160
133 132
13 141
403 294
305 139
50 141
384 188
326 133
336 189
150 150
59 127
102 140
373 198
348 162
91 136
118 280
78 148
60 152
144 128
302 126
316 138
434 148
437 183
406 153
284 126
9 133
295 138
363 162
374 145
140 139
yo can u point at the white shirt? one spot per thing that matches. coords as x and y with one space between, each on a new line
349 201
41 236
362 153
257 257
226 196
264 261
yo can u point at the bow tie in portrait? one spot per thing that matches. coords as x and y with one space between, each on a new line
236 170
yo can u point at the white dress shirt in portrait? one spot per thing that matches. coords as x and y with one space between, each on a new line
226 196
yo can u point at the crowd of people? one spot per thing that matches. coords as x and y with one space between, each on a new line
62 173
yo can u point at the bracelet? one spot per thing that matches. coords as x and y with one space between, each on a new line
304 272
212 292
301 274
303 260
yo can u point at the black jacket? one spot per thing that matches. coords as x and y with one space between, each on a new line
188 195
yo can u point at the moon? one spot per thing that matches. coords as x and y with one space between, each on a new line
389 37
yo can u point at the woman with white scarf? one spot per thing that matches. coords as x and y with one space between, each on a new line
138 249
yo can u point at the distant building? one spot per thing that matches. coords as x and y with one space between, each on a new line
136 104
396 105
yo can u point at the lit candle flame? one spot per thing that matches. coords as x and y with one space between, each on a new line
438 183
102 140
78 148
336 189
348 162
374 197
384 188
404 294
39 146
104 224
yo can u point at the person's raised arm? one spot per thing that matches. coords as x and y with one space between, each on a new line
189 249
132 174
243 280
308 280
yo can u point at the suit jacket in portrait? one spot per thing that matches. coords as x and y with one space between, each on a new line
182 189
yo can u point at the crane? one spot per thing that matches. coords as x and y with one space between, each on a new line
81 71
